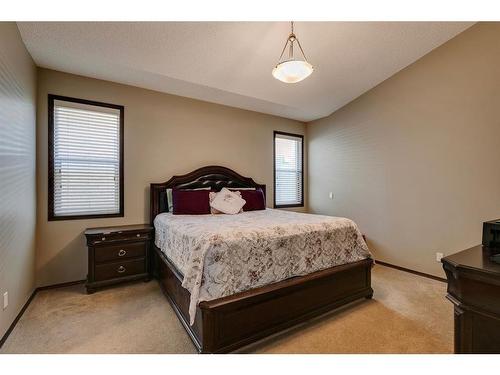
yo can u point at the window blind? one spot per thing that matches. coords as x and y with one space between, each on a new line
86 159
288 170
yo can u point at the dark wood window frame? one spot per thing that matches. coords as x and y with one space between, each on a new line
51 99
301 204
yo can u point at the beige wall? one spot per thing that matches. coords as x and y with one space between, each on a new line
17 171
164 135
415 161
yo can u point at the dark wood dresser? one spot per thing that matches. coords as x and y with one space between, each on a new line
118 254
474 290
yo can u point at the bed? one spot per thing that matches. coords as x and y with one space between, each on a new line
234 279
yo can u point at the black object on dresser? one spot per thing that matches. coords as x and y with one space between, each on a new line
474 289
118 254
491 233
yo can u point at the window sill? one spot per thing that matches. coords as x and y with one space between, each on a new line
83 217
289 205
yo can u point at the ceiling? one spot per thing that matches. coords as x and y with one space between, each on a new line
230 62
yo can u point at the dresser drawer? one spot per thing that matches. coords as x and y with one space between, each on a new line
119 269
120 251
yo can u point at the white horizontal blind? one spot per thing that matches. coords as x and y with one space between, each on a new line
288 170
86 159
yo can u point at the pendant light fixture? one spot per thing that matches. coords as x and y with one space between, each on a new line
292 69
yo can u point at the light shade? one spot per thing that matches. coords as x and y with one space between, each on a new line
292 71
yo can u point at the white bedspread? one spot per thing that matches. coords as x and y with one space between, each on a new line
220 255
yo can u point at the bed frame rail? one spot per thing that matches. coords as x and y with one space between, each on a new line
229 323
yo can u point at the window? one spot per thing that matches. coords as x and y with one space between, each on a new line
85 159
288 170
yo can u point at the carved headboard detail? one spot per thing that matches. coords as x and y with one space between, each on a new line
215 177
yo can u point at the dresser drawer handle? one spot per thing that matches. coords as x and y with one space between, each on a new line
121 269
137 235
121 253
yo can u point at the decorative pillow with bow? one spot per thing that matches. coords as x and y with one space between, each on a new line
226 201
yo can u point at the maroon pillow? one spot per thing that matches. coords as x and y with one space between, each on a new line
254 200
190 202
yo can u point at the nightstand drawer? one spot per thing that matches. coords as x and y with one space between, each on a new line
120 251
119 269
99 239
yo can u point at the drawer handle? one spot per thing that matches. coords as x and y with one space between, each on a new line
137 235
121 253
121 269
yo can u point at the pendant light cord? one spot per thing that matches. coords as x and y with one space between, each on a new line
291 46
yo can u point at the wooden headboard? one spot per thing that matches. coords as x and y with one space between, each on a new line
215 177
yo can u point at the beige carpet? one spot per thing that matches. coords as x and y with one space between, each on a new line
408 314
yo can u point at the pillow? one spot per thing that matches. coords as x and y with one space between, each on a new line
190 202
227 202
255 200
170 201
211 197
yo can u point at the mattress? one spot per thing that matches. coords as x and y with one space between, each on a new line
221 255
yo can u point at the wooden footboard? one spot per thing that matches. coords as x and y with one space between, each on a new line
228 323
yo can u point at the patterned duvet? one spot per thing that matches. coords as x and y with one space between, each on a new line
220 255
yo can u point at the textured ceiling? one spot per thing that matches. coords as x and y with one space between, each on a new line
230 62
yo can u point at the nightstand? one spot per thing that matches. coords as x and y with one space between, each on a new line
118 254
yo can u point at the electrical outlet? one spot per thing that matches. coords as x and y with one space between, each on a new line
5 300
330 195
439 256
